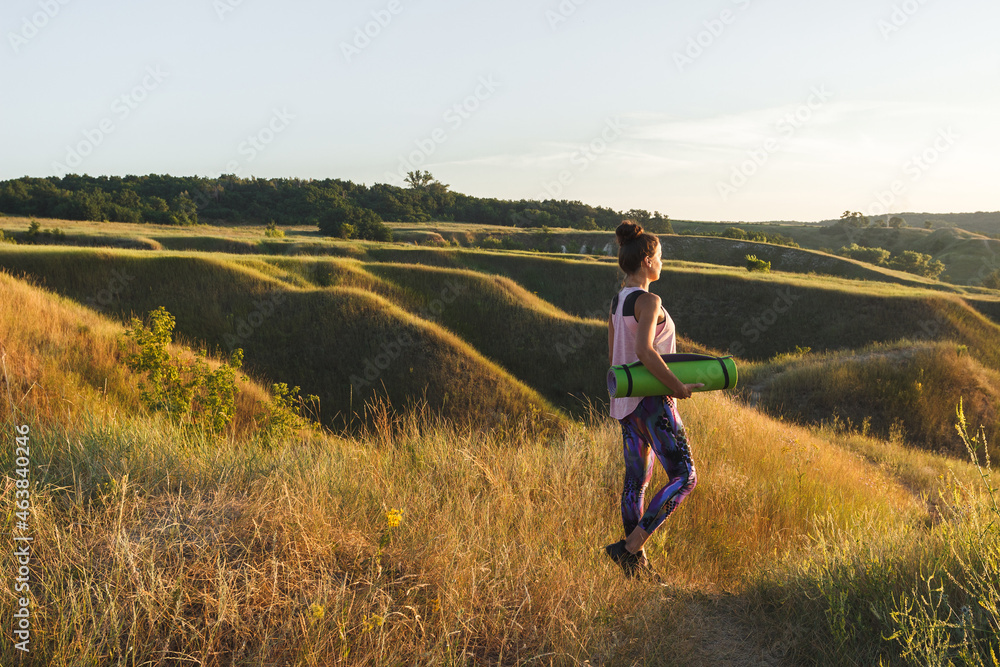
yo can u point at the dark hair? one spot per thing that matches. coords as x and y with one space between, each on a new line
634 245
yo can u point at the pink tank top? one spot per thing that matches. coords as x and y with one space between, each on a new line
623 351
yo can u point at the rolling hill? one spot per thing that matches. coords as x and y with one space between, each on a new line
470 529
518 328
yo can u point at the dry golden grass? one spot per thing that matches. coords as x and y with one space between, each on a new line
418 542
64 360
154 546
903 391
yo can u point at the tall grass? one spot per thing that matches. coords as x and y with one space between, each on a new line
914 593
415 542
904 390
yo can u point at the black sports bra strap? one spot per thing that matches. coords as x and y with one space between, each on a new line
629 307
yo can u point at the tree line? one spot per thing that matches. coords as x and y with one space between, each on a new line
337 207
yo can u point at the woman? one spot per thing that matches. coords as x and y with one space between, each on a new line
639 328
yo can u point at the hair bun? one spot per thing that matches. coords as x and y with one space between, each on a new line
629 230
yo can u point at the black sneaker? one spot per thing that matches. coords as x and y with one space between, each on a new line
632 564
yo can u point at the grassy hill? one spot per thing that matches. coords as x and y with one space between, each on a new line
296 335
426 538
63 361
969 256
751 315
983 222
424 324
913 385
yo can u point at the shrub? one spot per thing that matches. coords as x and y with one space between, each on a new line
490 243
177 387
501 241
917 263
272 231
754 264
345 219
734 233
659 225
993 280
877 256
286 410
780 239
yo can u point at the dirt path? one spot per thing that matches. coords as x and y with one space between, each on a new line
718 633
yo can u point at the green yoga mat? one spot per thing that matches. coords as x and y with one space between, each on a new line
634 380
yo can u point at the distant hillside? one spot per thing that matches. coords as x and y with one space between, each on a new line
984 222
751 315
968 256
480 334
344 344
328 203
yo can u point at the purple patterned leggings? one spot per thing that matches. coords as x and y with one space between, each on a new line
654 427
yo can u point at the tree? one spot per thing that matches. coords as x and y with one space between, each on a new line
641 216
928 224
853 220
734 233
533 217
419 180
917 263
184 208
660 224
161 198
876 256
897 222
343 219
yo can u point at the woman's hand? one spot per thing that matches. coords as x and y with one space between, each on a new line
689 389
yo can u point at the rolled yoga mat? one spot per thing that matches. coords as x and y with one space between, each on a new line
634 380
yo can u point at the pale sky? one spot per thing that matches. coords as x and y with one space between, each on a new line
718 110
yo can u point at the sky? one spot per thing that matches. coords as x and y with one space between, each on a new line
736 110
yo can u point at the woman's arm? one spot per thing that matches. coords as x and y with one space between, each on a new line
647 310
611 341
